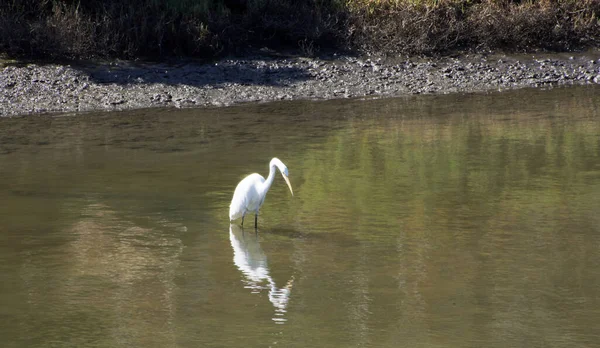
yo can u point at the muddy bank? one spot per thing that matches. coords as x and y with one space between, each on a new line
54 88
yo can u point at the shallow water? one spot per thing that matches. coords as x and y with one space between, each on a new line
456 221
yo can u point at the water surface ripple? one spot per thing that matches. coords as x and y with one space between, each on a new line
456 221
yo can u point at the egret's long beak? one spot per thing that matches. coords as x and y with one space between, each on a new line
287 181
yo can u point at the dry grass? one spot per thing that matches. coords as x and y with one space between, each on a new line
409 27
434 27
163 28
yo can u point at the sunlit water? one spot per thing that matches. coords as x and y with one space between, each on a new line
434 221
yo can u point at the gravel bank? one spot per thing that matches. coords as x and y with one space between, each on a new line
54 88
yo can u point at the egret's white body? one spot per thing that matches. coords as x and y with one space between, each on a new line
250 193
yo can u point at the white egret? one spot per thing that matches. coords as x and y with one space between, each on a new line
250 193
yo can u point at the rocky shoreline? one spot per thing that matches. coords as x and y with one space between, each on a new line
59 88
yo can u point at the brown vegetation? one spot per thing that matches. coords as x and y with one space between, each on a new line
422 27
205 28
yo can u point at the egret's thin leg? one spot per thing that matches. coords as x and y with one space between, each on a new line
243 215
255 220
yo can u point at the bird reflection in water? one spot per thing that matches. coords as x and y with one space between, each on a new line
250 259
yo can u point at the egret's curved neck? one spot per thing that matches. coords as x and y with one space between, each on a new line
270 178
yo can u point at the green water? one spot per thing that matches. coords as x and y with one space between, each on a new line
434 221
